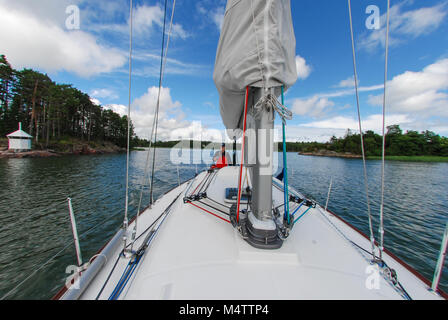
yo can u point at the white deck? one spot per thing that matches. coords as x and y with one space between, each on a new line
198 256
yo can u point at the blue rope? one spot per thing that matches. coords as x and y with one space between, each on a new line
297 209
131 271
112 295
285 167
130 268
302 215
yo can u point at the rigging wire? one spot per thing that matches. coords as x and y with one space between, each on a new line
285 166
151 199
381 229
366 181
35 271
43 212
138 255
145 175
126 221
42 265
242 155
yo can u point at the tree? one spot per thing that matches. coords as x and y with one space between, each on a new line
53 111
6 85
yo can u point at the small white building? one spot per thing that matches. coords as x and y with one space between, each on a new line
19 140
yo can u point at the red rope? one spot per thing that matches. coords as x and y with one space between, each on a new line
242 156
200 183
209 212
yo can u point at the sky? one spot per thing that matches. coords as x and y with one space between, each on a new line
93 55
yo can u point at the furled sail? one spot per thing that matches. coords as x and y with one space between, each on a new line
257 49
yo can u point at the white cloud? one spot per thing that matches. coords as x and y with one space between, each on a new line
303 70
213 12
373 122
104 93
314 106
299 133
173 66
218 17
95 101
172 124
405 25
48 11
347 83
29 41
117 108
146 17
322 131
422 93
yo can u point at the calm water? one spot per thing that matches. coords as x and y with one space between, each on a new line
35 222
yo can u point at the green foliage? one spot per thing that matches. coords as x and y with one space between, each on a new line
411 143
51 111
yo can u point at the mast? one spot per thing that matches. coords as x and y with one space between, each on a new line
262 230
249 86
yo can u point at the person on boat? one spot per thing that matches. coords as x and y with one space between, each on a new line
221 158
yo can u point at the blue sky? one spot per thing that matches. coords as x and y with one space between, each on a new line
94 59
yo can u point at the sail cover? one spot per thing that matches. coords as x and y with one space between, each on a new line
257 49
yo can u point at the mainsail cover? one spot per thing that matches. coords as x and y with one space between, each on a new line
257 49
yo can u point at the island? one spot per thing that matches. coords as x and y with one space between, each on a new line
60 119
425 146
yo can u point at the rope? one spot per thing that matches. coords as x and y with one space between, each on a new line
381 229
385 264
201 183
285 167
133 263
215 215
360 250
302 215
221 204
210 206
242 155
297 209
108 277
270 99
130 268
366 183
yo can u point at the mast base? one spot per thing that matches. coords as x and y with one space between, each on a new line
249 228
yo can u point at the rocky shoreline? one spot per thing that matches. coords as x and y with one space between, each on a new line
78 150
328 153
